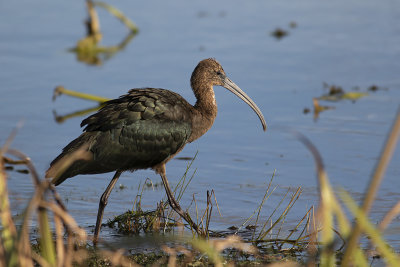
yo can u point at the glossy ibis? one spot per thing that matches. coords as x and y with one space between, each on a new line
145 129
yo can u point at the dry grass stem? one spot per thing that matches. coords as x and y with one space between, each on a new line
119 15
374 184
60 90
389 216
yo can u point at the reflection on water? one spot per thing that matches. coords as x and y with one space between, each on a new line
343 43
78 113
88 52
60 90
87 49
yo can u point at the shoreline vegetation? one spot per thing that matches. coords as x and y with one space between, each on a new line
324 236
329 234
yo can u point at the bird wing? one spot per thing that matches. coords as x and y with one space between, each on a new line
136 131
140 104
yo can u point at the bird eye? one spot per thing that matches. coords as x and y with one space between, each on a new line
219 73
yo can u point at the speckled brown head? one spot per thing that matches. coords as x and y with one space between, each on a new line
209 73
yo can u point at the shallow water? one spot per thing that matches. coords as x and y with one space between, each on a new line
346 43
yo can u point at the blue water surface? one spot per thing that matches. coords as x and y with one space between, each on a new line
345 43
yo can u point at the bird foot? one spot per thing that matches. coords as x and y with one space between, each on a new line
184 215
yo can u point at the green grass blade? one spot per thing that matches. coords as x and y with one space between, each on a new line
46 240
388 255
8 231
375 181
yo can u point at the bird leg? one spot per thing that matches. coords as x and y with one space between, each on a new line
103 203
175 205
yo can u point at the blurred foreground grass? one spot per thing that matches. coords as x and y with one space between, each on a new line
62 242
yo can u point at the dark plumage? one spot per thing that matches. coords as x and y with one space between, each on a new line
145 129
136 131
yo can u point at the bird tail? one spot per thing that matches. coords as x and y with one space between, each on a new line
70 162
52 172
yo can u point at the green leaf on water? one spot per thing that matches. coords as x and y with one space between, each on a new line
345 95
353 95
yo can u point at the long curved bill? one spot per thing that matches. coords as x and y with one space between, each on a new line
231 86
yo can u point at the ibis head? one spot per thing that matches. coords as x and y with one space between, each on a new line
208 73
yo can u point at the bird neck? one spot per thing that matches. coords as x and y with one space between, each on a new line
206 112
206 103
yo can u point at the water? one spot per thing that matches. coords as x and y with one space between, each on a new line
346 43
